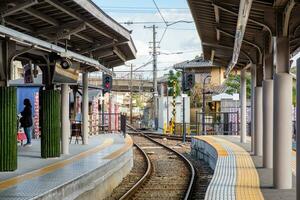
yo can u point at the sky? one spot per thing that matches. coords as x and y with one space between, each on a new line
180 37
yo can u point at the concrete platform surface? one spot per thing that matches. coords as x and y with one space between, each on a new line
266 175
105 161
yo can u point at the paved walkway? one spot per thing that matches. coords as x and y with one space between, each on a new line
266 175
235 175
37 176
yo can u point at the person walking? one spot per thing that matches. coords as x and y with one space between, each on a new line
26 120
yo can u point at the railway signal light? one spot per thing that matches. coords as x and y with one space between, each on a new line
188 81
107 83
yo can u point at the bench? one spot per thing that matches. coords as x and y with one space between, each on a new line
235 175
76 132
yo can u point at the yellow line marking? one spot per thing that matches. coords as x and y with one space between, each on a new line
247 181
128 144
213 142
53 167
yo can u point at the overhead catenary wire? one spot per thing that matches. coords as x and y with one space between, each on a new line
161 15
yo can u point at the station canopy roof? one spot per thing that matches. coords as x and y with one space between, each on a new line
88 32
216 22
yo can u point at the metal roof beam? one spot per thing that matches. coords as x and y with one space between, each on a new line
258 48
40 44
119 54
67 34
103 54
18 7
59 27
114 63
97 46
19 25
217 16
41 16
84 37
229 10
72 28
78 16
228 47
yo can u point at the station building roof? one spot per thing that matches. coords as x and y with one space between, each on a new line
80 24
218 27
196 63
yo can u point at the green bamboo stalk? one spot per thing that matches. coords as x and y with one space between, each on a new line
8 129
50 124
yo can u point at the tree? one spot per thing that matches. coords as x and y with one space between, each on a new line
233 84
173 77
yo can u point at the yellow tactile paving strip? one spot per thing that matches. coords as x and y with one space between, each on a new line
247 182
212 141
53 167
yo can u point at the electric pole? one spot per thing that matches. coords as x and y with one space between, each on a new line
154 55
131 122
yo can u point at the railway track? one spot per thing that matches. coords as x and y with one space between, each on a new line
169 176
139 173
152 175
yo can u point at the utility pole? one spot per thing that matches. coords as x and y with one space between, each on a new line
131 71
154 55
183 106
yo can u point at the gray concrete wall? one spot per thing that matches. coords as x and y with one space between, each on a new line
97 184
204 151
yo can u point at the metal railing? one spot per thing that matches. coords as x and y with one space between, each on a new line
217 123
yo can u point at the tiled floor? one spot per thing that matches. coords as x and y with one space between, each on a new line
36 176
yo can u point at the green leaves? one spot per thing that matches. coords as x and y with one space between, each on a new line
174 77
233 84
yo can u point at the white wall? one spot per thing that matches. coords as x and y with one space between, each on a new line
163 110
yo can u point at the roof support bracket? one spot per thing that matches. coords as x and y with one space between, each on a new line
286 16
258 48
18 7
266 27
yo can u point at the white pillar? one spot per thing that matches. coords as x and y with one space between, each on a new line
65 120
282 148
85 108
253 84
268 123
258 129
298 133
282 130
243 106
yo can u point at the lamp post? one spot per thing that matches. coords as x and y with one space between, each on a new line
203 105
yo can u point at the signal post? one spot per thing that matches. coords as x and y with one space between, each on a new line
188 82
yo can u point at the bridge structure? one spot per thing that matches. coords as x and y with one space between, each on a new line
125 85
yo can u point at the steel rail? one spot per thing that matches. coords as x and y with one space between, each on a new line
138 184
186 161
169 137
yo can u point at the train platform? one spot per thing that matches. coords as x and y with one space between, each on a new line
237 173
89 171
